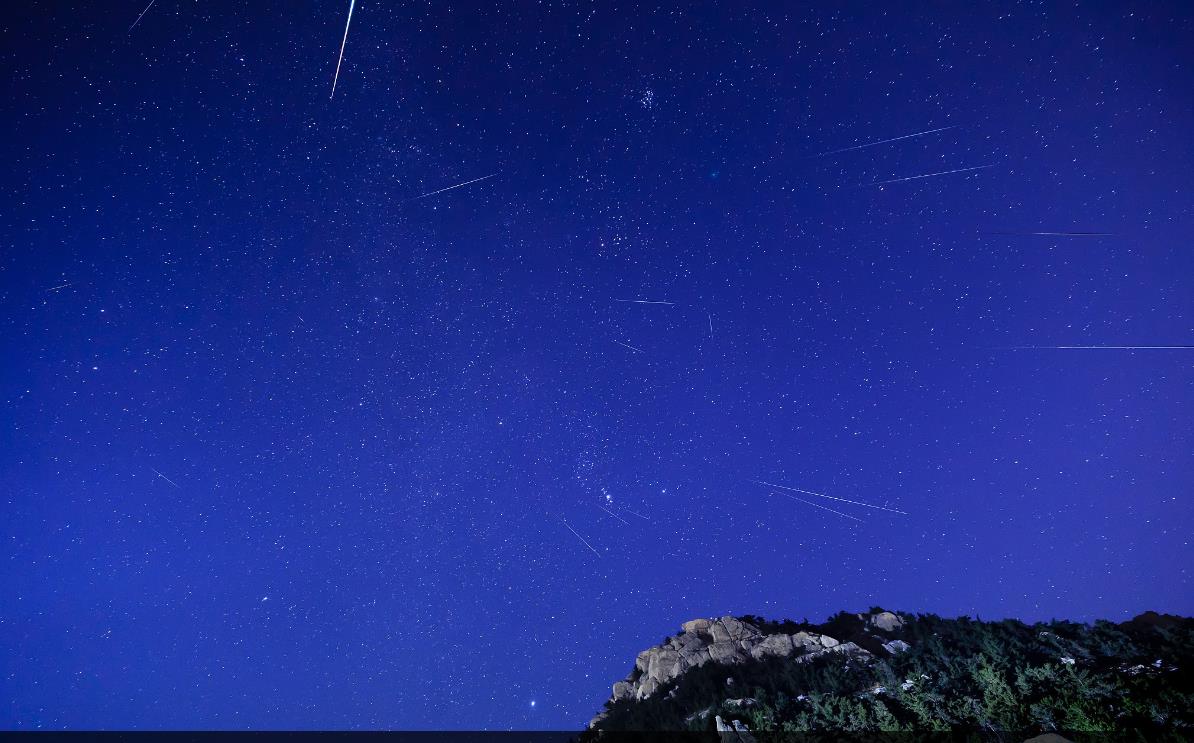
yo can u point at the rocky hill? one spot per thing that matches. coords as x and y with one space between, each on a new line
883 671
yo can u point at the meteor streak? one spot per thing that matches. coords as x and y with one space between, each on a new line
595 552
643 301
351 5
167 479
616 516
830 497
817 505
627 345
929 175
881 141
458 185
632 513
147 7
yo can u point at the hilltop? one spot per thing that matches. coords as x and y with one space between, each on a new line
889 671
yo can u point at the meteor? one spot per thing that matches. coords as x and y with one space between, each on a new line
351 5
595 552
627 345
616 516
929 175
882 141
632 513
458 185
830 497
824 508
167 479
147 7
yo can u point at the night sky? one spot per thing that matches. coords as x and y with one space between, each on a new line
286 442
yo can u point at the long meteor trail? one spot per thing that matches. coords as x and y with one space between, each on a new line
632 513
458 185
830 497
351 4
167 479
147 7
929 175
818 505
616 516
643 301
595 552
882 141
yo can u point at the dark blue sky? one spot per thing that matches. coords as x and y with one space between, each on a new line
283 446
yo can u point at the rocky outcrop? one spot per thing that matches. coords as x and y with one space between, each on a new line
728 641
717 674
895 647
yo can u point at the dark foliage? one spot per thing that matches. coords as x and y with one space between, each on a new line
1132 679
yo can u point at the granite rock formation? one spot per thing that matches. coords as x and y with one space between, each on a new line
730 641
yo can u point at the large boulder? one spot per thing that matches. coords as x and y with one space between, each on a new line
643 659
726 629
724 652
646 688
805 639
664 664
886 621
689 642
773 645
895 647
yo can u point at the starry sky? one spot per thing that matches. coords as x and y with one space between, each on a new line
296 434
